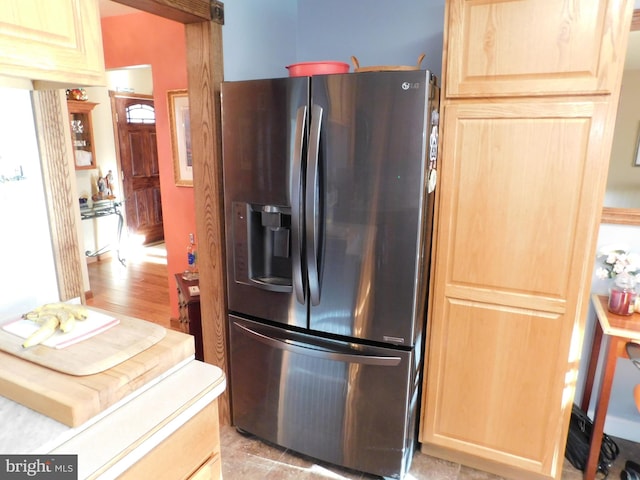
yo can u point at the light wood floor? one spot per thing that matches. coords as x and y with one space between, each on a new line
140 288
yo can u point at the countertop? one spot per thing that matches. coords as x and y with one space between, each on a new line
126 431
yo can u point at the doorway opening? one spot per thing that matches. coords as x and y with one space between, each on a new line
133 119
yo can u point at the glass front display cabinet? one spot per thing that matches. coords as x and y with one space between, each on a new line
82 133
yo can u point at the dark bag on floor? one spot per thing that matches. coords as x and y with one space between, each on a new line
579 439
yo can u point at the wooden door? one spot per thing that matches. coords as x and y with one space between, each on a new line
526 133
135 119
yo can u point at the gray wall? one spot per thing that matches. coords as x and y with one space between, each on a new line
258 38
261 37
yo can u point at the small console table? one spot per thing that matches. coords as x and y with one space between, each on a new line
189 308
104 210
612 332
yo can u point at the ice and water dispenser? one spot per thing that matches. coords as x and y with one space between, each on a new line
262 246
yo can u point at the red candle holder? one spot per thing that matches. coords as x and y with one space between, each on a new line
621 301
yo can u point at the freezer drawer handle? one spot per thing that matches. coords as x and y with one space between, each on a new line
320 352
271 284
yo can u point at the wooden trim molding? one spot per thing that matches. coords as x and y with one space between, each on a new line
635 21
58 175
621 216
205 73
183 11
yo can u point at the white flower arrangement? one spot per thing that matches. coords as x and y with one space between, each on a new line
617 261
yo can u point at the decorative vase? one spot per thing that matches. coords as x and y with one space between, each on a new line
622 295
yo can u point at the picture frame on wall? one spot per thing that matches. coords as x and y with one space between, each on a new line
180 137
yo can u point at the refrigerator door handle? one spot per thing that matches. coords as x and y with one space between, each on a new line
312 204
297 212
311 350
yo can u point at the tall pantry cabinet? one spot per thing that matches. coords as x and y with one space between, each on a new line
530 92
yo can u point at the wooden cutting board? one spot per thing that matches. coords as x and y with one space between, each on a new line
93 355
73 399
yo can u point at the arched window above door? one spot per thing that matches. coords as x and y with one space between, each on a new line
140 113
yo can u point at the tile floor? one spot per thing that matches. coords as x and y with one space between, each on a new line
247 458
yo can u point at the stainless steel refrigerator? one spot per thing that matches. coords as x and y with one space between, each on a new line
328 213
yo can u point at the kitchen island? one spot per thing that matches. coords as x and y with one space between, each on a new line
166 429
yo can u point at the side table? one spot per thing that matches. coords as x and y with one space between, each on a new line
189 309
612 332
104 210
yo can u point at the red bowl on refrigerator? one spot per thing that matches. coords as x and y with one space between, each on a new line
307 69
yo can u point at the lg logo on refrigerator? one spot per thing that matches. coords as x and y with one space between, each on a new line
410 86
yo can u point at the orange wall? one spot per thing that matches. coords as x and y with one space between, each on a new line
138 39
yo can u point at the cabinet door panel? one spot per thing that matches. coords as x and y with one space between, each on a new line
497 395
193 449
56 40
517 180
515 187
503 48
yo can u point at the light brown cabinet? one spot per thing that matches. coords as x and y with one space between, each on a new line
522 176
165 430
531 48
81 126
56 40
192 452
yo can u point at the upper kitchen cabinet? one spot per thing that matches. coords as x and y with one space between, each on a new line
53 40
527 126
498 48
